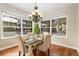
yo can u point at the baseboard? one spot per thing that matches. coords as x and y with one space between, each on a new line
64 45
8 47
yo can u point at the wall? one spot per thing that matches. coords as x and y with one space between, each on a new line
78 30
4 6
71 40
9 42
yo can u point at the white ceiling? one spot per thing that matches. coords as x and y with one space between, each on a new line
45 8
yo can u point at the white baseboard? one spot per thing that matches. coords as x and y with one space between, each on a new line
78 51
8 47
65 45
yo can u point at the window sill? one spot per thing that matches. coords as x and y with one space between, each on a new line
59 36
8 37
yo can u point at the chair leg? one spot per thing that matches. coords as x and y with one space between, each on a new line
48 52
19 53
24 54
41 53
37 52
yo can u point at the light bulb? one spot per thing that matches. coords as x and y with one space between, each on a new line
39 13
33 13
36 10
30 15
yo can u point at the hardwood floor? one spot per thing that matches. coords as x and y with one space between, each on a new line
10 52
55 50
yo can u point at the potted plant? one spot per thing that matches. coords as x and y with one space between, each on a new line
37 30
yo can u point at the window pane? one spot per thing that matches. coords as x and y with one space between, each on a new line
9 26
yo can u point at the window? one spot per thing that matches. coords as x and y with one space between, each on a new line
27 26
13 25
9 25
45 26
59 26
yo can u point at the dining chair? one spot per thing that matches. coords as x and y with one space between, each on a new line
45 46
22 48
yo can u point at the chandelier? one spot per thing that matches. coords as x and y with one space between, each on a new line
36 15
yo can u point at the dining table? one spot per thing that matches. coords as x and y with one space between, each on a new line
33 42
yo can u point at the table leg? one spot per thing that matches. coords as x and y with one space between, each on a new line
31 51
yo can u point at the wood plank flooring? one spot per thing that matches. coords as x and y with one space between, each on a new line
55 50
10 52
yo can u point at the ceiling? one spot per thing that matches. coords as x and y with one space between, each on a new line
44 8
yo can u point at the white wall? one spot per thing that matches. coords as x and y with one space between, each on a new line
78 30
9 42
4 6
71 40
